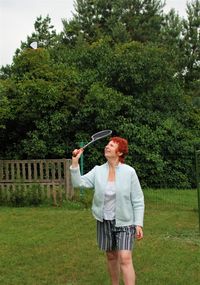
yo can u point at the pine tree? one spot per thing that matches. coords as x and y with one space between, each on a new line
121 20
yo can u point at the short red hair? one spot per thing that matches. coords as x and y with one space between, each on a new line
122 147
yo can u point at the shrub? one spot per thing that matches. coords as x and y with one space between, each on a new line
20 196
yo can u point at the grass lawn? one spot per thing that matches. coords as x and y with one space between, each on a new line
55 246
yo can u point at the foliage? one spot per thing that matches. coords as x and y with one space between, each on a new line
153 116
117 65
5 106
21 197
191 60
39 90
183 37
45 34
172 38
123 21
191 48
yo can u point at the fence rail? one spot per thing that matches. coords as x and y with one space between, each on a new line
52 174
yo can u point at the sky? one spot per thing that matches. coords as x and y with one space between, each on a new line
17 18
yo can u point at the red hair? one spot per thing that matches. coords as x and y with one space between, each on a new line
122 147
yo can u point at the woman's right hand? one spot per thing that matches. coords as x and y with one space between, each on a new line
76 154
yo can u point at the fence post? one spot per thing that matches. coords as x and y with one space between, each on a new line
197 156
69 191
65 177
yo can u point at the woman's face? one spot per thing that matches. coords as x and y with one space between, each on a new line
111 150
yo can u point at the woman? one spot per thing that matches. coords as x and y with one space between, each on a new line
118 207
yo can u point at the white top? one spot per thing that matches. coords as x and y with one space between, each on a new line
109 201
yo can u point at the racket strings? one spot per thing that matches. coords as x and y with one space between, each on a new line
102 134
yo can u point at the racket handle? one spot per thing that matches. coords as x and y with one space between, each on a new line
76 152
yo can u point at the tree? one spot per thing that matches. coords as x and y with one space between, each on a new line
122 20
191 52
131 89
42 97
191 43
54 98
45 35
172 33
5 108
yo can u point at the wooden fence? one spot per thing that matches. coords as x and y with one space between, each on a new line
52 174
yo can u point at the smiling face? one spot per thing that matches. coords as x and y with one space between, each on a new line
111 151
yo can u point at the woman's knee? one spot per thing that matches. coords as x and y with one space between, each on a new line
112 255
125 258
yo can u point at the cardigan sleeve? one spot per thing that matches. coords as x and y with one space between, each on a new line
137 200
84 181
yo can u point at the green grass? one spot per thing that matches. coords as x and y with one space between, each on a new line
55 246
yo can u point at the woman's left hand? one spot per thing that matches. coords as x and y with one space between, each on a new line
139 232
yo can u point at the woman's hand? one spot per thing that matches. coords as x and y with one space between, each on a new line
139 232
76 154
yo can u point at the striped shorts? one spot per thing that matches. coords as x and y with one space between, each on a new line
110 237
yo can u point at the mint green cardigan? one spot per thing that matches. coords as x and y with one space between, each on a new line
129 195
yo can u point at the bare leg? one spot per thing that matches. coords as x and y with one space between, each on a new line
113 266
126 266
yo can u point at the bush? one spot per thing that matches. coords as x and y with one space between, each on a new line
20 196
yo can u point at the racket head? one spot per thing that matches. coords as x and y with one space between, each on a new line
101 134
98 136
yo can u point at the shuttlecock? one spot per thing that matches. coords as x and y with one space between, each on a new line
34 45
